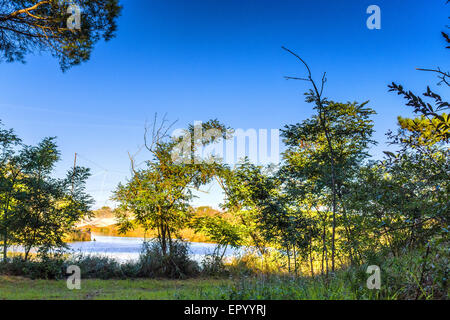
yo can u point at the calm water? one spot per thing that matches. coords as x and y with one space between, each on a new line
124 248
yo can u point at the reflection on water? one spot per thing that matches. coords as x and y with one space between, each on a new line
124 248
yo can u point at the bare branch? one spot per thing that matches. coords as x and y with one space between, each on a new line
310 79
444 76
295 78
298 57
159 132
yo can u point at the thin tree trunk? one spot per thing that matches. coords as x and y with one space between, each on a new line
311 257
5 218
5 231
289 260
223 253
295 261
5 236
326 260
333 236
323 249
347 229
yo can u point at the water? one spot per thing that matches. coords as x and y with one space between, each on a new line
126 248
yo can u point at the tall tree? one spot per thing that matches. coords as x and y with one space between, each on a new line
336 139
38 210
48 208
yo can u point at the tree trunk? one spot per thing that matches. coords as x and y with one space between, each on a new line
311 256
295 261
323 119
27 251
289 259
324 245
5 219
5 236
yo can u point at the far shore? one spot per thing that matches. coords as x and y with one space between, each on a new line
104 223
109 227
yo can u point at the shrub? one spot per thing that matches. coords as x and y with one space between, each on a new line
46 268
251 264
101 267
212 265
175 264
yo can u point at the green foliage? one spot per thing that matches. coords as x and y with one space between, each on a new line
219 230
434 122
319 163
323 205
213 265
246 187
34 26
48 268
96 266
422 131
37 210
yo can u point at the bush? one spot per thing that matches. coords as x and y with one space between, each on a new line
96 266
175 265
212 265
46 268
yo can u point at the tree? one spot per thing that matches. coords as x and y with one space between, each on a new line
336 140
48 208
35 26
9 175
38 209
159 194
422 161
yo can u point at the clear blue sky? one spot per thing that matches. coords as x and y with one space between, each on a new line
202 59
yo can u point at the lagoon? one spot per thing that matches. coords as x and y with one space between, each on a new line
128 248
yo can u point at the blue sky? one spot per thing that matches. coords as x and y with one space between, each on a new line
199 59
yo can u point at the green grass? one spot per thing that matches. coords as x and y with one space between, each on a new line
13 288
253 288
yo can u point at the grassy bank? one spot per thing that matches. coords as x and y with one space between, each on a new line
399 280
413 275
